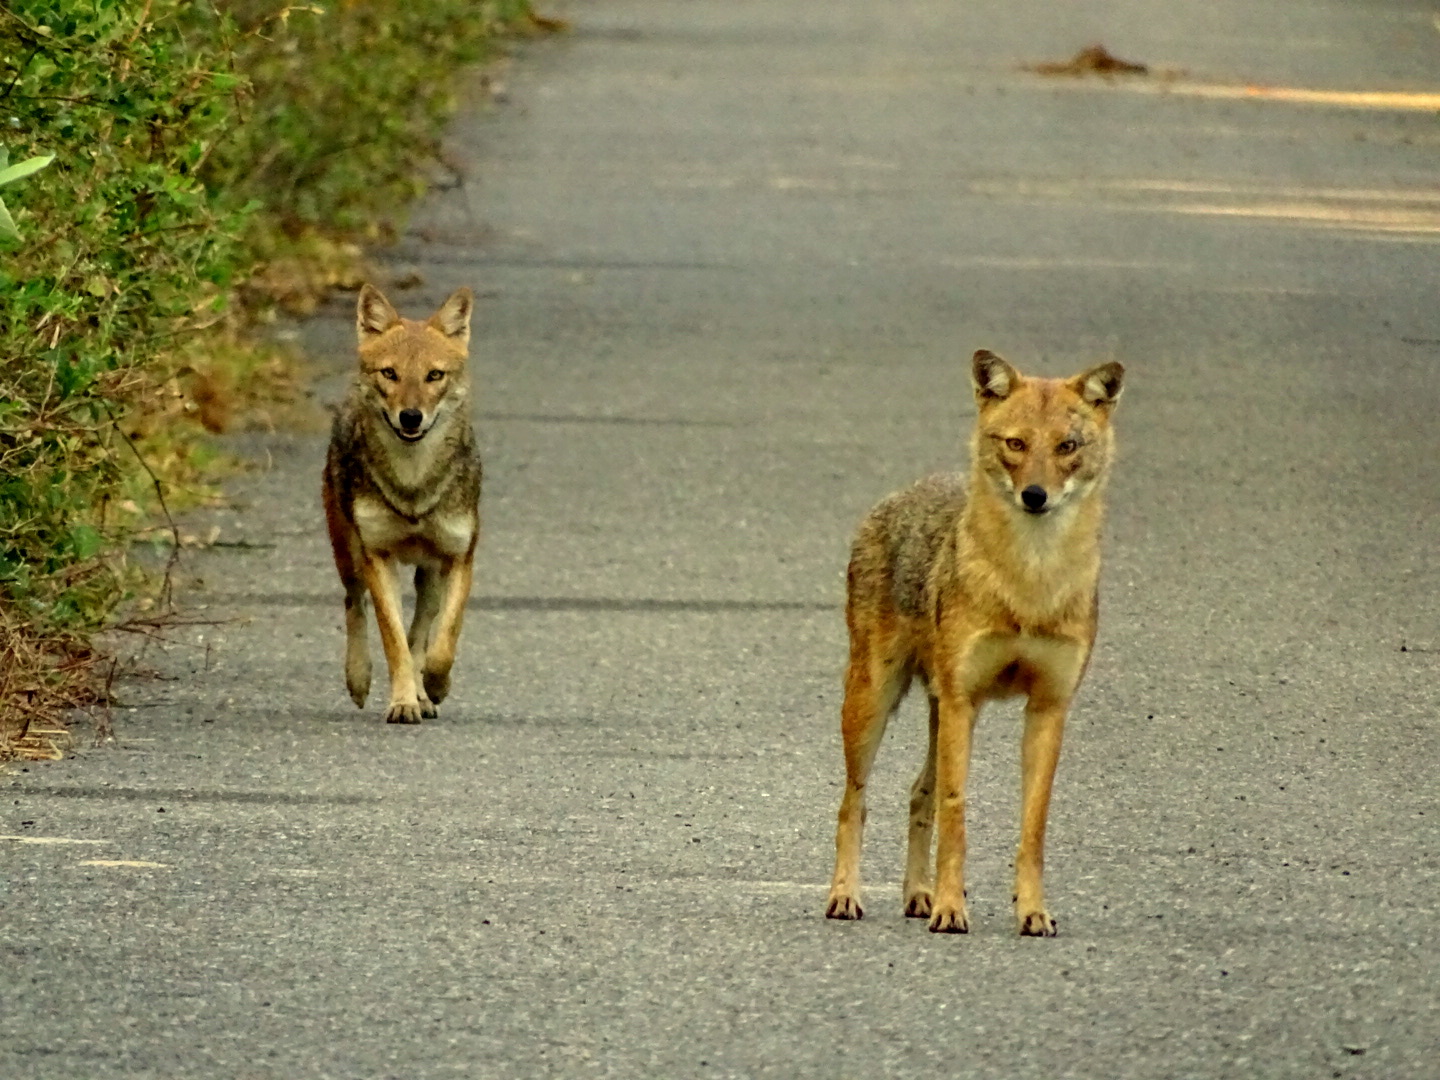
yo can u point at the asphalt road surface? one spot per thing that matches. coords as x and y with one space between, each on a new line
731 259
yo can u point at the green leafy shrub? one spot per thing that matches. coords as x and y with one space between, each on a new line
346 98
124 251
9 174
192 142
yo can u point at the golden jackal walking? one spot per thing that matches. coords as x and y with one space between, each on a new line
981 594
402 485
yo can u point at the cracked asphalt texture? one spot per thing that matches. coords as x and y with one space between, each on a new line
732 258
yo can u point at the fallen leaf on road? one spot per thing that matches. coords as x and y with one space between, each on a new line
1093 60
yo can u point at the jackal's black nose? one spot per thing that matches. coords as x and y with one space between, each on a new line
1034 498
410 422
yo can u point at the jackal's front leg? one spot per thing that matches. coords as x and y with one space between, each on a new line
1039 755
952 766
440 656
429 588
404 701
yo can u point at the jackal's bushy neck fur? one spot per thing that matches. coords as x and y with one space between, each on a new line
1029 534
1038 567
414 477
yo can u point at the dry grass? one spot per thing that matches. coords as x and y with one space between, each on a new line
234 383
41 680
298 274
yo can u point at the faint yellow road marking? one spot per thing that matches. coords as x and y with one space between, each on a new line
1397 100
125 862
1079 187
1015 262
50 840
1344 217
1393 100
1215 187
1413 211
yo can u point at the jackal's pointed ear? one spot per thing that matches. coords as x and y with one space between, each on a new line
373 313
453 318
994 379
1101 386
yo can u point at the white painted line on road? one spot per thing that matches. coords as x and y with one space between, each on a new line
51 840
1264 290
729 885
817 888
125 862
770 886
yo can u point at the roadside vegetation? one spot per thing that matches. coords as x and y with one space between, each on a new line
210 159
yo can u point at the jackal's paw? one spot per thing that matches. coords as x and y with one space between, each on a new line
918 902
1036 923
357 681
844 905
404 713
427 704
949 919
437 685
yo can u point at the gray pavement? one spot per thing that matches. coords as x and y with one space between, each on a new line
731 258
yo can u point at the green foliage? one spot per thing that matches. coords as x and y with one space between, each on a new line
8 175
346 99
191 140
124 249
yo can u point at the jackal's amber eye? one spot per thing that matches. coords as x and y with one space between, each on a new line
435 376
1015 444
389 373
1069 446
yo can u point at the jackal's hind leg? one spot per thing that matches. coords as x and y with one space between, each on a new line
349 561
918 890
874 685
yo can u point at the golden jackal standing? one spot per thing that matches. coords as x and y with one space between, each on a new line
981 595
402 485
